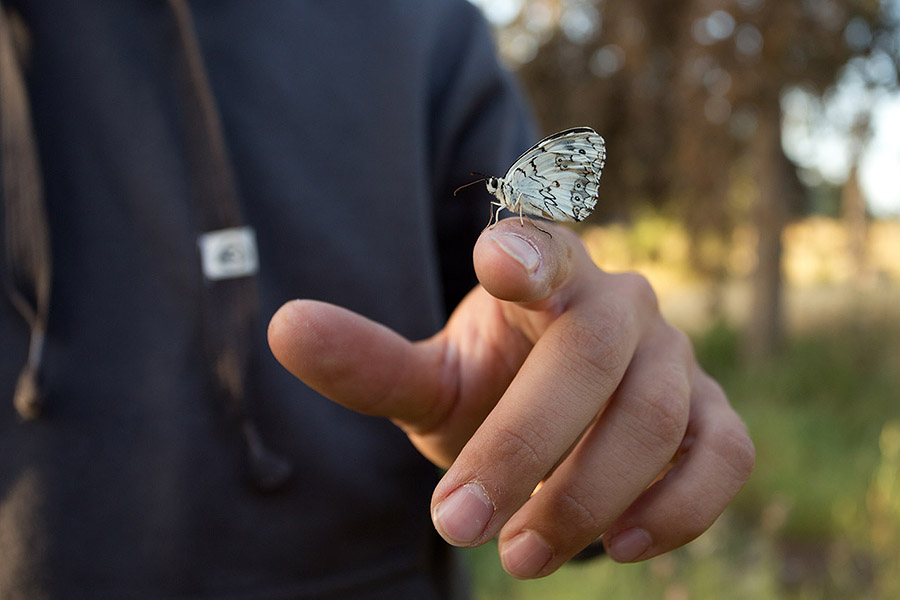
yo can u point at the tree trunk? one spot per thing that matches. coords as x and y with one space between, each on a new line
853 213
770 214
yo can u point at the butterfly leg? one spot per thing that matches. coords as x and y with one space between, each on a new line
539 228
495 217
530 220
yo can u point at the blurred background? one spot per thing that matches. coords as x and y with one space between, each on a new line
754 176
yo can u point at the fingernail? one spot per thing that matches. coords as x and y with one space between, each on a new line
525 555
462 517
520 249
629 545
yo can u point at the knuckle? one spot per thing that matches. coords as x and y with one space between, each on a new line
664 408
733 447
598 347
711 389
679 342
522 448
693 521
639 288
575 510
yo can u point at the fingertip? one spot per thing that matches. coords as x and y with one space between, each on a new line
277 324
282 317
518 263
290 325
630 545
507 265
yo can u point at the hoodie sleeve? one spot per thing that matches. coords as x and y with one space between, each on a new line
480 122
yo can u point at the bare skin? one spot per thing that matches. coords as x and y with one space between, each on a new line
551 374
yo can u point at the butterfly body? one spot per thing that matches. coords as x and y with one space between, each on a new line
557 178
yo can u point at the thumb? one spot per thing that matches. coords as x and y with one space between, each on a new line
536 268
358 363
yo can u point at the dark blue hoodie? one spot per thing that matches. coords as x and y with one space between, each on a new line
348 125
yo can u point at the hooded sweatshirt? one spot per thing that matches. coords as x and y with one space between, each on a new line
169 455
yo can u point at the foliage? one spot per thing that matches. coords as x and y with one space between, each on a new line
883 504
680 89
689 96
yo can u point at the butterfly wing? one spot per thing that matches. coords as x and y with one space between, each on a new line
558 178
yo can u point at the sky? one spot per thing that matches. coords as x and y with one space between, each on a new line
880 167
815 133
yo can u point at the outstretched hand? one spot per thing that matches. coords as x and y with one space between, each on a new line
554 376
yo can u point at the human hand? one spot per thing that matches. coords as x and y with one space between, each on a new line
551 374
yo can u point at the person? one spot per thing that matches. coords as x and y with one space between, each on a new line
173 174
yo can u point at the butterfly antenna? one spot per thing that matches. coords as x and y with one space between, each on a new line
481 175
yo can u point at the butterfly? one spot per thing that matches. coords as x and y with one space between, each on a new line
557 178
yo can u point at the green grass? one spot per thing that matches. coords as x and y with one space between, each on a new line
815 413
803 525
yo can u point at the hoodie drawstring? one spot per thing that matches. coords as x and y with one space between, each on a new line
28 259
229 304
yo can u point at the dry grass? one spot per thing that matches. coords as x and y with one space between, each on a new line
823 279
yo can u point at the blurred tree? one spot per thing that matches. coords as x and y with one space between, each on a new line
688 95
854 214
853 202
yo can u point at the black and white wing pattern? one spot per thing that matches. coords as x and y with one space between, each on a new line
558 178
